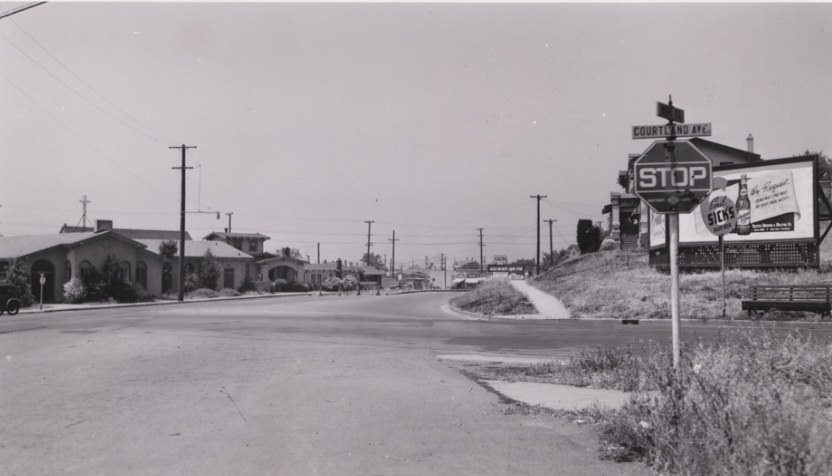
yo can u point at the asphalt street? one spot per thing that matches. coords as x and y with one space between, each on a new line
295 386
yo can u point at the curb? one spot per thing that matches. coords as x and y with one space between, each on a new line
163 303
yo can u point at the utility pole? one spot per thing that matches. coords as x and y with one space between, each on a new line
84 203
229 221
369 227
444 270
319 253
393 259
551 252
481 245
537 259
183 168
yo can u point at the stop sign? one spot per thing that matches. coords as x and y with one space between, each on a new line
672 177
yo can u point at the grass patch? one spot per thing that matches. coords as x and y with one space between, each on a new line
494 297
622 285
751 403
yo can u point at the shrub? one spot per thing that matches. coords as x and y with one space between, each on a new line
202 293
278 285
228 292
21 280
757 404
191 282
247 285
141 293
349 283
74 291
209 271
263 287
331 283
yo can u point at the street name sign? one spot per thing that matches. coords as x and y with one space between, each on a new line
672 177
670 112
667 130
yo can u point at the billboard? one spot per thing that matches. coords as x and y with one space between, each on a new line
783 204
784 209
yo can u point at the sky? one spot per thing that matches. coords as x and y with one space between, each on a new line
432 120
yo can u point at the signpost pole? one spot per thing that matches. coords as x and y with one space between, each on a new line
722 269
674 285
42 282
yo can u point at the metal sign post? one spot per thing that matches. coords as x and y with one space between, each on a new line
672 178
674 286
720 216
42 282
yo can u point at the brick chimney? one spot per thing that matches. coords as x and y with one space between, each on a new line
103 225
750 141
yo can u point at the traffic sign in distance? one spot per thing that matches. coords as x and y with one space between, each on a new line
676 130
719 215
671 113
672 177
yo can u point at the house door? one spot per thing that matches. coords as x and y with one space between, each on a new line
43 266
228 278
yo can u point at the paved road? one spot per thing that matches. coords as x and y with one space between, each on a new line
312 385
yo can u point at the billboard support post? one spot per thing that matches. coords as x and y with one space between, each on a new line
722 270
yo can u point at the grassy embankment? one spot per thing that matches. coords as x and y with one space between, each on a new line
620 284
494 297
748 404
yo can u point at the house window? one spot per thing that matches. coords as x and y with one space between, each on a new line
252 245
86 269
141 274
228 278
67 271
124 271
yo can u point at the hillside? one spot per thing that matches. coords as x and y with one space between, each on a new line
618 284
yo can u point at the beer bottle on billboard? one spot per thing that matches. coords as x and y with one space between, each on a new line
743 209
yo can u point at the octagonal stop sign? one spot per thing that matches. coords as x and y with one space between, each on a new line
672 177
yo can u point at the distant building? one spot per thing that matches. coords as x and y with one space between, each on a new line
251 243
73 253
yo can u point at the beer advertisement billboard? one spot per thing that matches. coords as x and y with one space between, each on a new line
781 202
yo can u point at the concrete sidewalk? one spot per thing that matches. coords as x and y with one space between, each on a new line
547 305
35 308
548 395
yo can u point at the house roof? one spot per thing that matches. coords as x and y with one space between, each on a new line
224 235
133 233
281 258
706 144
197 248
328 266
19 246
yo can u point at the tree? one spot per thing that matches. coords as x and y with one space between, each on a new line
589 236
168 248
470 265
375 260
290 252
209 271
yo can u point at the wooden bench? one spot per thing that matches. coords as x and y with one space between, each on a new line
810 298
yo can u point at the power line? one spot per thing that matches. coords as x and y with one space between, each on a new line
78 136
14 11
84 98
89 86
